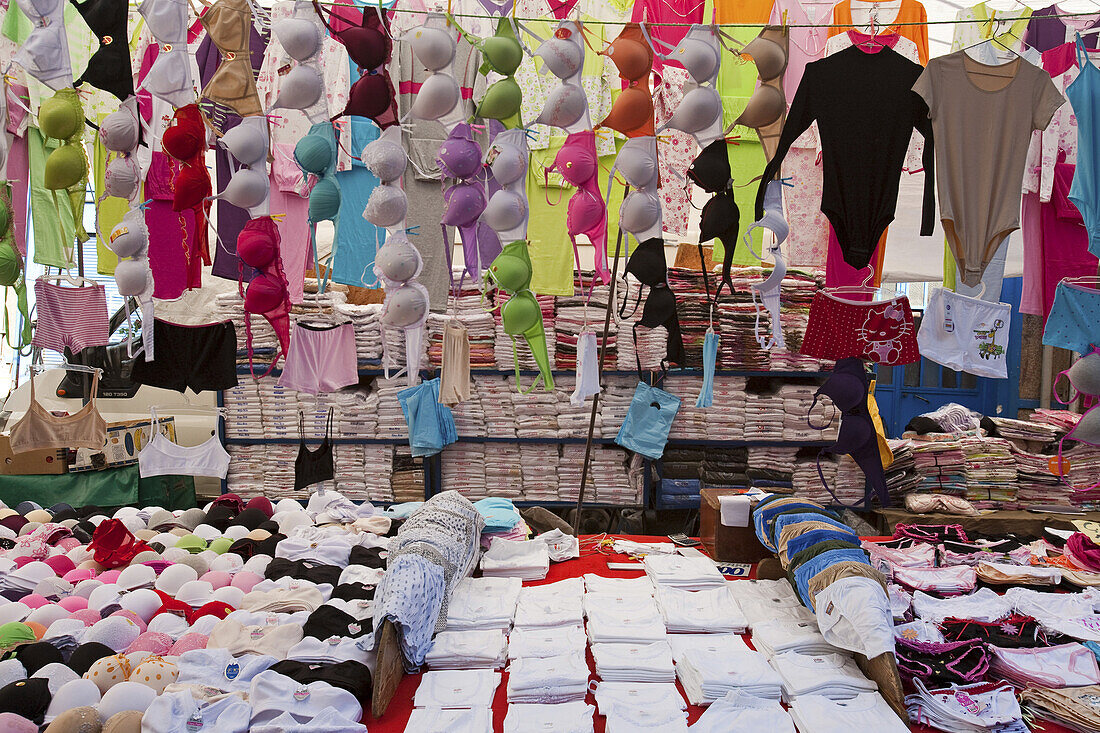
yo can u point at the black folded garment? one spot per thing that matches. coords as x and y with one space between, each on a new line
768 474
680 470
721 478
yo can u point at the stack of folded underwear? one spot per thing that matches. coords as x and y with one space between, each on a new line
614 404
572 420
463 467
540 471
377 471
516 559
990 472
1063 420
764 413
536 414
700 612
503 470
1035 483
797 399
358 416
1024 430
797 294
553 604
982 605
739 711
684 573
901 476
1073 707
949 581
708 676
230 307
691 421
472 649
480 329
727 422
776 637
1064 665
469 415
609 623
866 712
367 322
457 688
652 343
634 662
724 466
483 603
280 410
552 641
722 644
806 480
772 463
942 467
584 311
693 311
391 420
495 390
835 676
242 410
407 476
575 716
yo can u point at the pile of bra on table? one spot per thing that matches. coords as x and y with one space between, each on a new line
959 641
237 617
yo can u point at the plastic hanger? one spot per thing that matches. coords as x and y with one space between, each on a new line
864 287
68 367
77 281
1086 280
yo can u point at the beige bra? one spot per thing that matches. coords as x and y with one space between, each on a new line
39 430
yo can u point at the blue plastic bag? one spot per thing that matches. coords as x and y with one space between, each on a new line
648 420
431 425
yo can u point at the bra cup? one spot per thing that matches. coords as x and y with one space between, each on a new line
583 212
314 154
698 110
1087 429
433 47
564 107
300 89
246 189
510 272
129 237
122 178
637 161
700 58
720 215
504 55
192 185
563 58
182 142
509 166
660 305
438 95
119 131
855 432
58 119
648 264
404 307
398 260
575 164
257 246
65 167
324 200
246 143
299 37
631 56
505 211
39 8
502 100
460 155
369 48
264 294
520 314
386 207
167 19
639 211
170 78
766 106
1084 375
632 113
464 203
370 96
132 277
847 391
384 159
769 57
710 170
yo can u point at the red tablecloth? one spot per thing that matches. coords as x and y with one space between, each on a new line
397 715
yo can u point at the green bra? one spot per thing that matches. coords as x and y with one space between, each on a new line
521 315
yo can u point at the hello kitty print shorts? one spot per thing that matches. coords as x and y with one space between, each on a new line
882 331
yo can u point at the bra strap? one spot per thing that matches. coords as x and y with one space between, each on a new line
1082 52
1054 388
328 425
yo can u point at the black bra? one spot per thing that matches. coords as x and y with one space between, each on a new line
313 467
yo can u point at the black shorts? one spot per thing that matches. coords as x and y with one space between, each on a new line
199 357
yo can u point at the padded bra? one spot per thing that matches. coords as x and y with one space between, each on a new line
371 95
229 25
167 19
632 112
767 106
109 67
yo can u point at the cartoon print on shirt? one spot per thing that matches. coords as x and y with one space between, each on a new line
988 348
882 331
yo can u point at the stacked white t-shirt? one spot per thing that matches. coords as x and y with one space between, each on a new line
764 601
553 604
653 695
550 641
453 688
557 679
618 586
475 649
483 603
516 559
738 711
708 675
700 612
864 712
625 626
566 717
646 720
776 637
634 662
686 573
450 720
719 643
830 675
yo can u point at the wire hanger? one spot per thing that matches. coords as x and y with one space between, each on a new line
1093 280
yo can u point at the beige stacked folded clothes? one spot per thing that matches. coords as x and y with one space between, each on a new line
1073 707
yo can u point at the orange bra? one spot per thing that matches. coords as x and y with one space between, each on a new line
40 430
632 53
229 25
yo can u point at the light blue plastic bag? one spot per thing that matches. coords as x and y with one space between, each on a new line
648 420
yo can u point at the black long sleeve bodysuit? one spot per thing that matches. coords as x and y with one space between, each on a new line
865 109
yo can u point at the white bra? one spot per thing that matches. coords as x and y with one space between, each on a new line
162 457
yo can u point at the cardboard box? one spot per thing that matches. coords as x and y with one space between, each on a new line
50 462
124 441
726 544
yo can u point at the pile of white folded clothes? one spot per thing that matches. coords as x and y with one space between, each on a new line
625 615
391 420
553 604
709 675
495 390
727 423
503 470
696 572
741 711
536 413
366 320
699 612
691 421
527 560
469 415
566 717
835 676
559 679
650 662
540 471
776 637
471 649
483 603
978 708
463 467
455 688
864 712
766 601
474 720
614 403
552 641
